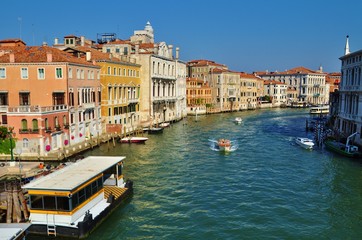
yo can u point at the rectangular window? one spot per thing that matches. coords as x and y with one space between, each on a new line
3 99
2 73
70 73
78 74
41 73
58 73
24 99
24 73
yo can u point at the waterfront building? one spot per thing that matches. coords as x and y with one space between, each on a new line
51 99
120 90
333 79
348 119
225 85
311 85
198 94
277 91
163 78
248 91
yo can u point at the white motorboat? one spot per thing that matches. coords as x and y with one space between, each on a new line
134 140
238 120
304 142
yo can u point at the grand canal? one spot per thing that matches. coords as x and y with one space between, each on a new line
269 188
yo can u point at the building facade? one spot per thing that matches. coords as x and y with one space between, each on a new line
349 108
311 85
52 99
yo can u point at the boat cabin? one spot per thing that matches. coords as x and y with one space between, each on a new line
67 197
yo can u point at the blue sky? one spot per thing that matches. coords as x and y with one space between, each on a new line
246 35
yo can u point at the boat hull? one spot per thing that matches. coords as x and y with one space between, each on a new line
305 143
336 147
134 140
155 130
84 228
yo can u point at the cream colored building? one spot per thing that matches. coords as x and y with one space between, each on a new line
163 78
248 91
225 87
311 85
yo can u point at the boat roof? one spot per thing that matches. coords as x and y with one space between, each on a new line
74 175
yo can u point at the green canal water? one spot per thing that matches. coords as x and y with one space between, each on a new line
269 188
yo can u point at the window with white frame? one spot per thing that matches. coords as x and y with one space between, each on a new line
58 73
78 74
24 73
2 73
41 73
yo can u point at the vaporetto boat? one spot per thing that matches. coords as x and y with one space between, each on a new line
72 201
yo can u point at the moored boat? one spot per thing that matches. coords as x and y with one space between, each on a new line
155 130
305 142
74 200
164 124
322 110
134 140
345 149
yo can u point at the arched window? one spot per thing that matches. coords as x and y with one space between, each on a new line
24 125
46 124
34 124
56 122
65 120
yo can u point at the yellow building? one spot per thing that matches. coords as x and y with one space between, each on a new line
120 95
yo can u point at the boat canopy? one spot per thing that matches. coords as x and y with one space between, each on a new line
74 175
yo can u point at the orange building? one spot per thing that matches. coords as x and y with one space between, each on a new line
198 95
48 96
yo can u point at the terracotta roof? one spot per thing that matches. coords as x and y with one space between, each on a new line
39 54
95 54
147 45
203 62
293 71
269 82
248 75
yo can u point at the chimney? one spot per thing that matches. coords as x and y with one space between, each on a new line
12 57
137 48
82 40
56 41
110 56
155 49
170 51
177 52
88 56
44 44
49 57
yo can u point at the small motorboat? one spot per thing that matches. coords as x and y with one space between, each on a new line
224 145
238 120
164 124
134 140
305 142
155 130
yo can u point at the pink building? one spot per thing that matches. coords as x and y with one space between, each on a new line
51 98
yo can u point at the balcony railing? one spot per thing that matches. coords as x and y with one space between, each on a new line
4 108
37 109
28 131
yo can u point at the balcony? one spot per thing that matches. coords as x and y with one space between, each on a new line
316 95
4 109
88 105
37 109
28 131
